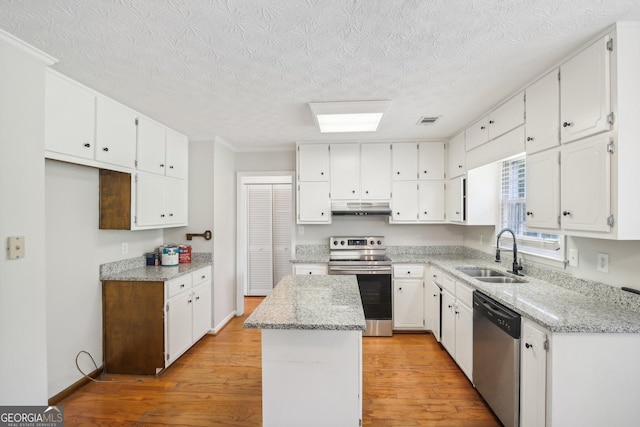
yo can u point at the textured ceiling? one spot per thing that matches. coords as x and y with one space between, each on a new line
245 70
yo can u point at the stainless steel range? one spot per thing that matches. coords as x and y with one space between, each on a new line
365 257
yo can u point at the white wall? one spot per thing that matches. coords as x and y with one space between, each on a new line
75 248
266 161
23 359
224 229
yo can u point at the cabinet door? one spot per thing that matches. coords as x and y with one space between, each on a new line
506 117
345 171
543 190
431 201
177 155
201 310
179 325
375 167
408 303
433 310
454 200
404 160
477 134
456 156
586 192
404 201
313 162
543 112
310 269
448 326
149 200
313 202
533 376
115 133
431 161
585 92
464 338
175 201
151 146
69 117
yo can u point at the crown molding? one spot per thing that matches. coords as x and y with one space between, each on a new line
15 43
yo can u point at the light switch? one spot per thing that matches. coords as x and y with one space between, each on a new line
16 247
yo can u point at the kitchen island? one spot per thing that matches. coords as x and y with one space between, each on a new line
311 352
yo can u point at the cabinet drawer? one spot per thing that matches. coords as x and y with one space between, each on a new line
179 284
464 294
444 281
201 275
408 271
310 269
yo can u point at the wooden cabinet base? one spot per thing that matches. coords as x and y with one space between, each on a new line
133 327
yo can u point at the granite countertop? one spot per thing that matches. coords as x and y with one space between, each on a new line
311 302
136 270
554 307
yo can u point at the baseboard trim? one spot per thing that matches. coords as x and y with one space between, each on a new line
54 400
224 322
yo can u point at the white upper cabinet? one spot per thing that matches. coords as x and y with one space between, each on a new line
313 162
115 133
314 205
455 203
586 189
477 134
160 201
404 161
404 203
507 116
177 155
585 92
151 146
345 171
431 161
456 156
69 117
431 201
375 167
543 190
543 112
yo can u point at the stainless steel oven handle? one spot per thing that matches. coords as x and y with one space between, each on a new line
360 270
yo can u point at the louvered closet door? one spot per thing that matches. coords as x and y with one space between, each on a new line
282 228
259 241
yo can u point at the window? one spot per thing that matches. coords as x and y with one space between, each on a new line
513 213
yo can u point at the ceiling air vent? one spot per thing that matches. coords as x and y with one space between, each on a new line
427 120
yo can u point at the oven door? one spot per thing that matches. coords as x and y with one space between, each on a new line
376 296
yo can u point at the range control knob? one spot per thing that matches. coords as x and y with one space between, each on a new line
342 242
379 242
372 243
335 243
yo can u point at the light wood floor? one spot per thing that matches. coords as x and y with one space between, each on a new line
408 380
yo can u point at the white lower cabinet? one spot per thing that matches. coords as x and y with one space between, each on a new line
188 312
533 375
309 269
408 297
457 321
432 308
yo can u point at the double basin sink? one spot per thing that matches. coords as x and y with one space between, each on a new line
490 276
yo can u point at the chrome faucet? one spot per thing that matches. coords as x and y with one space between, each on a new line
516 267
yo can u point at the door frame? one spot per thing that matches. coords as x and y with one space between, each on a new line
244 178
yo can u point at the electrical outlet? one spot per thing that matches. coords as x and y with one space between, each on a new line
603 262
573 257
15 246
125 248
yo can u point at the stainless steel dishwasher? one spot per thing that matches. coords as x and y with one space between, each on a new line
496 357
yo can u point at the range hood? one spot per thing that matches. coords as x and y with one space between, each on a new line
360 209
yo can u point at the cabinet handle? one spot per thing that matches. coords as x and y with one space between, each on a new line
397 213
321 213
567 124
87 145
161 215
366 191
529 138
529 213
353 191
399 289
424 172
161 165
105 149
182 285
491 122
459 166
482 128
310 273
425 212
408 272
435 295
450 306
190 301
566 213
457 312
203 277
398 173
170 214
321 173
197 298
457 213
528 345
171 167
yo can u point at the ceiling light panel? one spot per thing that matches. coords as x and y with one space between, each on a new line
350 116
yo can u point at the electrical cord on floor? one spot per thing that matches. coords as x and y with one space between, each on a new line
96 366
